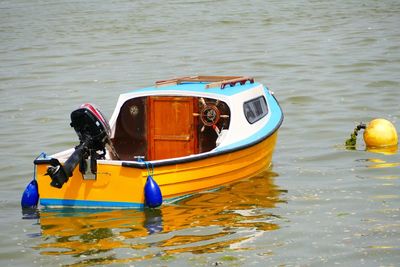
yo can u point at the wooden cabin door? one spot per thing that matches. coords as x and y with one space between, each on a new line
172 127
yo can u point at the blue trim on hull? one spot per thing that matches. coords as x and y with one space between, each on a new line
52 202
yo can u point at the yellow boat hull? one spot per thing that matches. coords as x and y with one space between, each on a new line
119 186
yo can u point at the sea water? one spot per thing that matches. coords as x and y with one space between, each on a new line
331 64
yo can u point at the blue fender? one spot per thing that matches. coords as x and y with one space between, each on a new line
152 193
30 197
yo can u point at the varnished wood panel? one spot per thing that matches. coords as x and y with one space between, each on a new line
172 127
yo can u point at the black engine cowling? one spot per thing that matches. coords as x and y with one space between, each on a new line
94 132
91 127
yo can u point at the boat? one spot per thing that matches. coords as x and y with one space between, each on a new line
163 143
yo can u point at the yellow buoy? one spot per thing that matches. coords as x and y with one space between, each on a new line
380 133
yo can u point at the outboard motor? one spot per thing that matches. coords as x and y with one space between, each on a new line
94 135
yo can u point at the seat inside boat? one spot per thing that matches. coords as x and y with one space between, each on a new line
161 127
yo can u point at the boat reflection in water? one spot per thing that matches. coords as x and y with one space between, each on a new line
203 223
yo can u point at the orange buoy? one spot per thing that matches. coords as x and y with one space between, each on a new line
380 133
380 136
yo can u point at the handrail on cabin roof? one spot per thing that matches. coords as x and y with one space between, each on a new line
213 81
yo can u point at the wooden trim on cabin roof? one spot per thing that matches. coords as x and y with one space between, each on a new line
213 81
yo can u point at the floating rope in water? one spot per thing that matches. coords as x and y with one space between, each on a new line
351 142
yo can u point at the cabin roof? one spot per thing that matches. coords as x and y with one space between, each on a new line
219 85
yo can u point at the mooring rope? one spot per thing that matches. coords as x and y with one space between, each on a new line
150 168
351 142
43 154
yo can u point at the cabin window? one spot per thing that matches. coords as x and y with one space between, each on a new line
255 109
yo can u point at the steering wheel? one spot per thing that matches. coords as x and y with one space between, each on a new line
210 115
